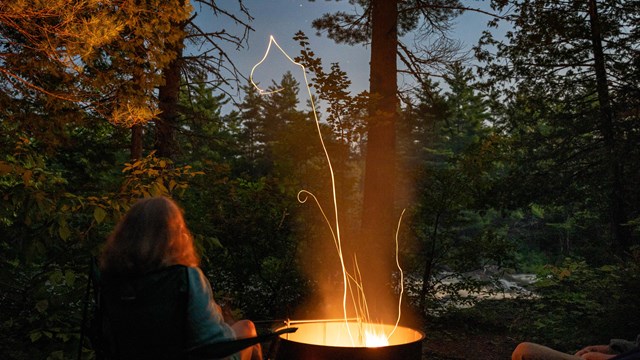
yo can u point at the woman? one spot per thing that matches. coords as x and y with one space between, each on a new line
149 244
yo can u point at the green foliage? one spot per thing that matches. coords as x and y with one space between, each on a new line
563 150
242 211
51 229
530 261
577 304
153 176
40 280
345 113
449 151
255 268
35 205
49 309
352 29
102 55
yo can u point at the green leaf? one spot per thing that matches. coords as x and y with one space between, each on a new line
537 211
42 306
70 277
56 277
63 231
34 336
56 355
64 337
99 214
214 241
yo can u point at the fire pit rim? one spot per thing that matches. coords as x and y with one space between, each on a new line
301 324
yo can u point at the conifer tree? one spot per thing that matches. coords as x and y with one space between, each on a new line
380 23
565 71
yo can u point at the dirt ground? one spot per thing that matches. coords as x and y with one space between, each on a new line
472 344
485 332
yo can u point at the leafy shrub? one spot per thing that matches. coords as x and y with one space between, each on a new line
579 304
50 230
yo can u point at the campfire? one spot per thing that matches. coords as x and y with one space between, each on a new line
329 339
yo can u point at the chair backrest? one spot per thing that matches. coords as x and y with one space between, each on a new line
144 317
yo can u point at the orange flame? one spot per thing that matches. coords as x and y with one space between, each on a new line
375 339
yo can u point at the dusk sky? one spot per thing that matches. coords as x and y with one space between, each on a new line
283 18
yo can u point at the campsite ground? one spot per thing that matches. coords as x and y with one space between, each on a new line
457 342
489 331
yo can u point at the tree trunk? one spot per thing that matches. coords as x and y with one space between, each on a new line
136 142
618 217
168 96
376 244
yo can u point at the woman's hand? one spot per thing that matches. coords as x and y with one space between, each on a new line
602 349
595 352
227 315
596 356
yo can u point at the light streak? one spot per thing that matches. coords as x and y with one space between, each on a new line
371 336
336 235
401 276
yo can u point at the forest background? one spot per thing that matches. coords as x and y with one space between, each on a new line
527 163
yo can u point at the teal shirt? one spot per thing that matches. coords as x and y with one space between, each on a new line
205 323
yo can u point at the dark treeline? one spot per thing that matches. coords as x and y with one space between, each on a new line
529 164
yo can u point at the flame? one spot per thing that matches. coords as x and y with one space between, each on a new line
373 339
352 283
375 336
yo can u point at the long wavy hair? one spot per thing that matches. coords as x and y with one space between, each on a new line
152 235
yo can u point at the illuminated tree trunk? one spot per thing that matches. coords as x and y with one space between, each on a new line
376 247
620 233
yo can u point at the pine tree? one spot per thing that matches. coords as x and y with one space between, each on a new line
380 24
563 70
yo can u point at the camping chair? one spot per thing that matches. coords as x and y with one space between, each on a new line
145 318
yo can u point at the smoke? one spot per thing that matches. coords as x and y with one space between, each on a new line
352 269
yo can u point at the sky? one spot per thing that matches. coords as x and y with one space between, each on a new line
283 18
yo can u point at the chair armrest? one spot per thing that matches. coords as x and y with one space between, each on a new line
222 349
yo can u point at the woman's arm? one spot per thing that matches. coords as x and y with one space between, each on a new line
205 323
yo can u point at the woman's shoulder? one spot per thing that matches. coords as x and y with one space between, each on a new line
195 272
197 279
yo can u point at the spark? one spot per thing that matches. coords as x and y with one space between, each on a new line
371 336
401 276
336 235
